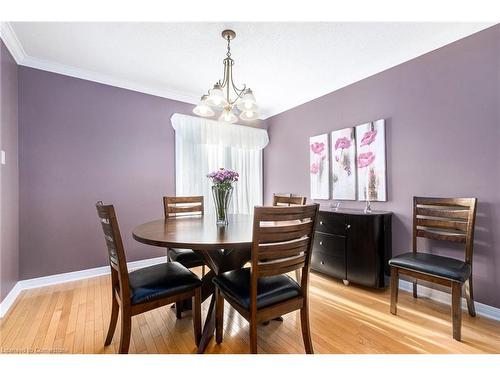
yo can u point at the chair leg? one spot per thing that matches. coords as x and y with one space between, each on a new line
306 330
456 310
202 270
126 325
219 316
115 308
197 315
415 289
253 336
469 296
178 309
394 289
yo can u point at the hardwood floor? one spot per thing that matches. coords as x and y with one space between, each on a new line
73 318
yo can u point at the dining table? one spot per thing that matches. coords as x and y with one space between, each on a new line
223 247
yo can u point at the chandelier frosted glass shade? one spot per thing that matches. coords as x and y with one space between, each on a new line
203 109
247 102
228 116
216 97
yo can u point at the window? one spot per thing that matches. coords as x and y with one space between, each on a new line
203 146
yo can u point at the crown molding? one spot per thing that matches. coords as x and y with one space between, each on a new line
12 43
89 75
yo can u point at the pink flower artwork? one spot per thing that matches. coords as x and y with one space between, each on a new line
319 166
369 137
342 143
370 147
365 159
343 160
314 168
317 147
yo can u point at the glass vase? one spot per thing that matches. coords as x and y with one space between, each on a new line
222 198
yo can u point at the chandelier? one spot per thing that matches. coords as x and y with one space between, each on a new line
219 98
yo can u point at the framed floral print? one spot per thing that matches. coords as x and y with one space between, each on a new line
343 164
319 169
371 166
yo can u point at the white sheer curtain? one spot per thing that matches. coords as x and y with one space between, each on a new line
203 146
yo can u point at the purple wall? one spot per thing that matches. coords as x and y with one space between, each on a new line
9 177
81 142
443 139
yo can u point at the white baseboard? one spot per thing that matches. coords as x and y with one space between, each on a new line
9 300
66 277
443 297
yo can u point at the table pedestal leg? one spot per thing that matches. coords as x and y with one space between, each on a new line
208 328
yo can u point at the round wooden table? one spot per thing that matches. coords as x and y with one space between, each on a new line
223 249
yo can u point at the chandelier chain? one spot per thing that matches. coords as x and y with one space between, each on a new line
228 54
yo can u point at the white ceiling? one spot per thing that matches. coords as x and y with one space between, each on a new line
285 64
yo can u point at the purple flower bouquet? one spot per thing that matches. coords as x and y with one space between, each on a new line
222 191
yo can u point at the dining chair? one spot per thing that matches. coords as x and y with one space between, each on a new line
288 200
443 219
174 206
281 242
143 289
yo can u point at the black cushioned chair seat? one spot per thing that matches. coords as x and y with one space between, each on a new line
431 264
161 280
270 290
188 258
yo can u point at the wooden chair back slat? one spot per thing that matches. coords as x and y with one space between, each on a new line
459 226
280 250
441 235
288 200
289 213
446 202
445 219
281 270
292 227
280 266
284 233
184 209
278 254
183 205
444 213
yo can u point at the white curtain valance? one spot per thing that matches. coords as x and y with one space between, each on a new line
198 130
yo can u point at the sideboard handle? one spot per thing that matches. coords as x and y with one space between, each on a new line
320 223
321 243
348 226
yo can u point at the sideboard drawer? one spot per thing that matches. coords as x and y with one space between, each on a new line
329 244
328 264
331 223
328 255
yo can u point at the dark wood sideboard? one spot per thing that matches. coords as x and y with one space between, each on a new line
353 246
